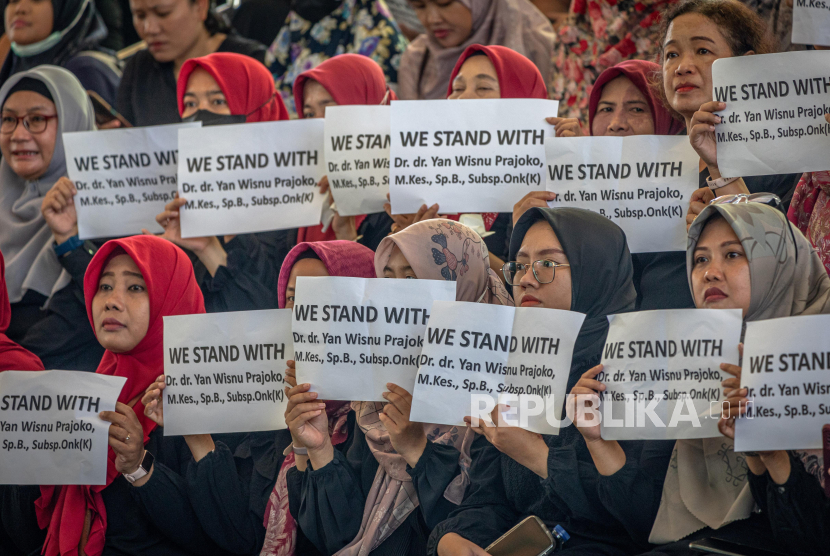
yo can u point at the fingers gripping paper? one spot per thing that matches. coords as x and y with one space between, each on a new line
50 433
787 371
662 373
467 155
357 157
774 117
642 183
476 356
354 335
251 177
225 372
124 177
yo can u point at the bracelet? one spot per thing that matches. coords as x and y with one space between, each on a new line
720 182
69 245
299 451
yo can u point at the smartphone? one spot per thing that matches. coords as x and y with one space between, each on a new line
529 538
825 439
104 113
714 545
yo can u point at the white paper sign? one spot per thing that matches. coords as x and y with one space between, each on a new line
786 368
774 118
357 157
642 183
467 155
662 372
478 355
354 335
225 372
50 433
811 22
251 177
124 177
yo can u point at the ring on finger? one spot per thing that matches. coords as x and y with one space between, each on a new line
127 439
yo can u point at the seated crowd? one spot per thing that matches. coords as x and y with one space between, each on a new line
360 478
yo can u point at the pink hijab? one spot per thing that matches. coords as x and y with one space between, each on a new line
437 249
341 258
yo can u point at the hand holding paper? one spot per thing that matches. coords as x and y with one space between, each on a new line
702 134
407 438
153 401
126 438
527 448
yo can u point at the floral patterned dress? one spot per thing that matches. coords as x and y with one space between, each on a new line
810 212
357 26
598 35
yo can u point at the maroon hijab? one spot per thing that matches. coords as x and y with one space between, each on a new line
639 72
12 356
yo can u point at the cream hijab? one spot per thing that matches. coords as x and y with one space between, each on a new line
25 238
426 66
706 483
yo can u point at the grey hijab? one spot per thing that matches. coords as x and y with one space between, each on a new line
706 484
25 238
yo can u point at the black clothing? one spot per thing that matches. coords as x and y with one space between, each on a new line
373 229
60 335
499 243
503 492
249 280
753 532
232 511
155 518
332 499
798 511
661 281
19 531
79 51
261 20
147 94
632 494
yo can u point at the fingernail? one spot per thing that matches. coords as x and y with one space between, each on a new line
722 105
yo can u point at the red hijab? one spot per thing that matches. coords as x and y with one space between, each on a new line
247 85
172 290
349 79
638 71
518 76
12 356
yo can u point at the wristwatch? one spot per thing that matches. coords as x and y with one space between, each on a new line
143 469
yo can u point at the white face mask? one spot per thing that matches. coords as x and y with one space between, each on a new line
26 50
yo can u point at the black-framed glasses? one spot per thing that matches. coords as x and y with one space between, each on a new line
34 123
543 270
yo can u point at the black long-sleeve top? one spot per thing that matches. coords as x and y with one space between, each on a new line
632 494
331 500
155 518
798 510
503 492
229 487
147 92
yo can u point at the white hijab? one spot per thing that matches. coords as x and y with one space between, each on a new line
25 238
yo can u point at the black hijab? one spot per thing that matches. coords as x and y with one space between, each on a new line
314 10
601 273
86 34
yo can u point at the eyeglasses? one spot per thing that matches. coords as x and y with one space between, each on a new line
738 198
544 271
34 123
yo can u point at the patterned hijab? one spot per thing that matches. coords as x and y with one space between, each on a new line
706 482
436 249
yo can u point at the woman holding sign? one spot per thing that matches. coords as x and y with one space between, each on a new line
427 64
45 264
740 256
130 286
236 273
398 479
322 423
569 259
346 79
486 72
695 34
